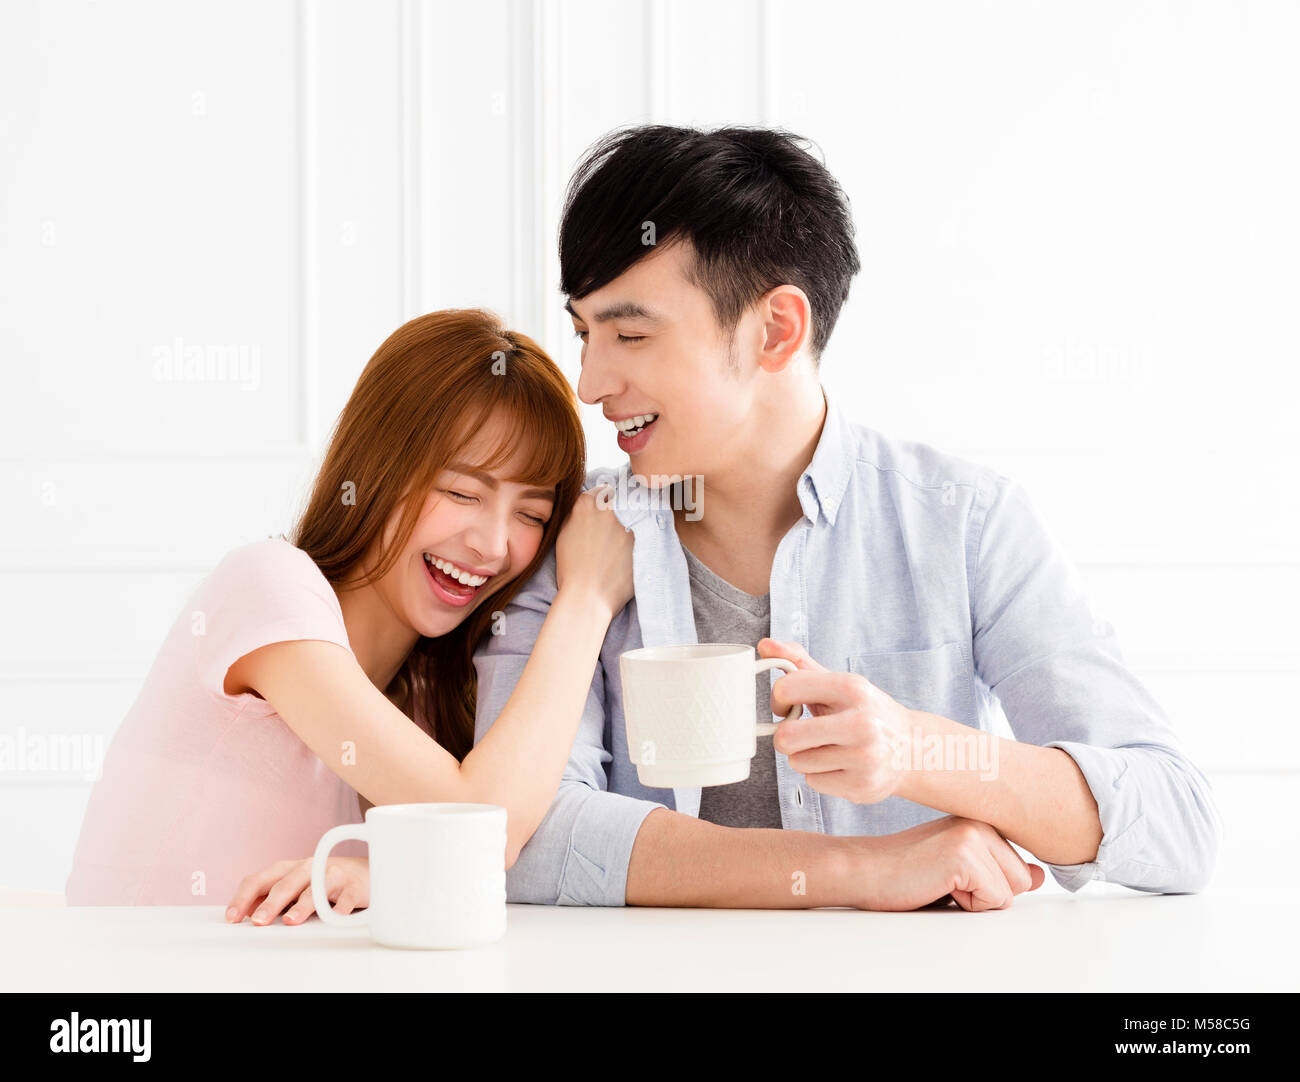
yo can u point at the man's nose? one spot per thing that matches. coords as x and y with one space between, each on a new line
599 378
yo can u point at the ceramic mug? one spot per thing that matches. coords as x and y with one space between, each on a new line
689 712
437 874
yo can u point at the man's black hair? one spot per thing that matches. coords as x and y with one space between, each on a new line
757 207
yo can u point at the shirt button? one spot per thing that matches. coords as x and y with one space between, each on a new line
798 797
662 519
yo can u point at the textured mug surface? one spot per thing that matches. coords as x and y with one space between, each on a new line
689 712
437 874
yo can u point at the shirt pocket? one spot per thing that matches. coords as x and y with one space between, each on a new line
940 680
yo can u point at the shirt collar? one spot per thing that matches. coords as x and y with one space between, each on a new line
822 484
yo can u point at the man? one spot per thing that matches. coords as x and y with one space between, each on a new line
704 273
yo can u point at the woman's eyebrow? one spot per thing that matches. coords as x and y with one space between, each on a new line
491 482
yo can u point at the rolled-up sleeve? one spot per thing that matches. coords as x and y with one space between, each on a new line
1056 667
580 852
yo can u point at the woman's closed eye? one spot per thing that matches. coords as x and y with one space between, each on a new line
461 497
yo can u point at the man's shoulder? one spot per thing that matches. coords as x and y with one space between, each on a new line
604 475
543 584
881 455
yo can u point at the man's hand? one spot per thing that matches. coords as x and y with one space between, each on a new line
963 858
856 744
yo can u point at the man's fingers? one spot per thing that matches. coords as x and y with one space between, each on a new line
832 690
791 651
981 885
993 891
1012 864
816 731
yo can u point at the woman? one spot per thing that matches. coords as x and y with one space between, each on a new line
301 675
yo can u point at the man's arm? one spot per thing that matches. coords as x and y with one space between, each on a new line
578 855
1058 672
685 862
1035 796
595 847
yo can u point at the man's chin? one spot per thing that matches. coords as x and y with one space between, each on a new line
654 473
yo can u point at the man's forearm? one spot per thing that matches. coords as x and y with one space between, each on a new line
1036 797
685 862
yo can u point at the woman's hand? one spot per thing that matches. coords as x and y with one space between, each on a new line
288 883
594 552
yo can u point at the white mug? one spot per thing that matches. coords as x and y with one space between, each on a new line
689 712
437 874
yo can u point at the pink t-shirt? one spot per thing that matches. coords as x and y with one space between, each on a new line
200 788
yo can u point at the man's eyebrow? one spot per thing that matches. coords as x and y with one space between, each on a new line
491 482
618 310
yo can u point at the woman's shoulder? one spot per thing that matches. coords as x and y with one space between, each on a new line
261 593
269 578
272 564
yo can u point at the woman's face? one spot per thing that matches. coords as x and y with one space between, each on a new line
476 532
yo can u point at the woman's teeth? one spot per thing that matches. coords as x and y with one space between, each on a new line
632 425
452 571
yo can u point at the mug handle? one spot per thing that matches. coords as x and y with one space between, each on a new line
328 841
763 728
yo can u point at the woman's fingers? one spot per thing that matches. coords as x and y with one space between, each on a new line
303 908
339 889
286 887
346 901
252 888
289 887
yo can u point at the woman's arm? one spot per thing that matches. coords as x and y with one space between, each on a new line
325 697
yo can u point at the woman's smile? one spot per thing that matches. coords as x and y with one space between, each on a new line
448 589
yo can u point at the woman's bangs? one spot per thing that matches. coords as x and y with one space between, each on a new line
548 443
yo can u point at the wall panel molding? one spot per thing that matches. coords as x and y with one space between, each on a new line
308 284
416 243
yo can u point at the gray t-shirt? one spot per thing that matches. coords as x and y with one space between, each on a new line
726 614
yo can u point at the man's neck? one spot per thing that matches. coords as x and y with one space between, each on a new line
748 507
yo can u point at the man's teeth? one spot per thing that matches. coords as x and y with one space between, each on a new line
463 577
632 425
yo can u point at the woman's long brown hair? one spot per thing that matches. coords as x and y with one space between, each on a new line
427 390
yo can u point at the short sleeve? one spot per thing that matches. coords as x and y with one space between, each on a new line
259 594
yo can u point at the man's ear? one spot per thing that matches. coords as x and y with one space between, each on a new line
786 313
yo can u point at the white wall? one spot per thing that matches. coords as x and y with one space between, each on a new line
1078 227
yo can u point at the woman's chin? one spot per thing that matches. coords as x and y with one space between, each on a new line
434 619
433 624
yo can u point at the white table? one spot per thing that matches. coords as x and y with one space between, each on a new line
1239 935
1101 939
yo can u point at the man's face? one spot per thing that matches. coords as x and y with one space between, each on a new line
652 346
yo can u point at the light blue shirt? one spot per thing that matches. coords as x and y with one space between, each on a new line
935 579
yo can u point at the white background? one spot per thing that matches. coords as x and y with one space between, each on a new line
1079 226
